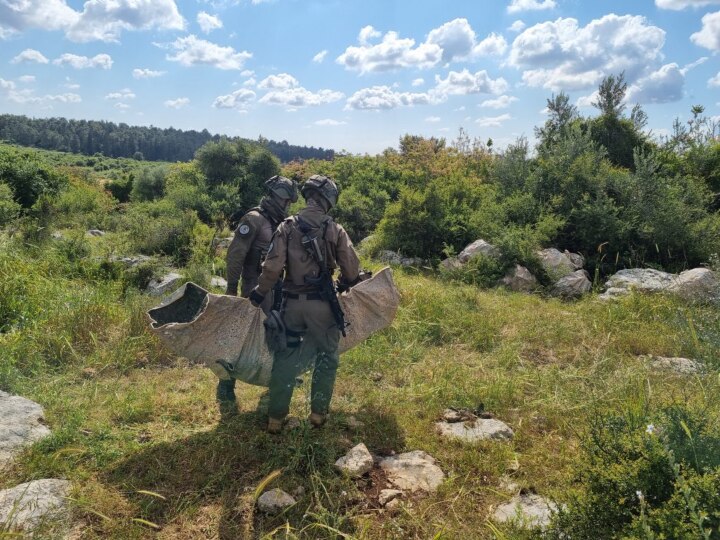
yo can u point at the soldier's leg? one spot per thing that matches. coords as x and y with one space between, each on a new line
321 327
286 364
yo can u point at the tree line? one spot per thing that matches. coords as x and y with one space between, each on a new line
92 137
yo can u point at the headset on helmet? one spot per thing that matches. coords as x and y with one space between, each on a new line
282 187
323 185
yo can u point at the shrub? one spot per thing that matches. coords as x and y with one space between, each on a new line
9 208
148 184
29 176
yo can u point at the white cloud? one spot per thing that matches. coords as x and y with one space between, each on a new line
27 79
329 122
530 5
367 33
456 39
27 96
517 26
662 86
192 51
250 82
125 93
494 44
103 61
122 106
391 53
709 34
715 81
433 119
208 22
19 15
682 4
105 20
279 82
6 85
418 82
501 102
71 86
583 102
297 97
30 55
237 100
319 57
561 55
492 121
178 103
138 73
693 65
463 82
247 73
383 97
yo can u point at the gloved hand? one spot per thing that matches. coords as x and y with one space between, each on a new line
256 298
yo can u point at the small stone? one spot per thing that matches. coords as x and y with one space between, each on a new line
555 263
480 429
451 416
683 366
390 257
40 502
393 505
576 259
299 492
413 471
507 484
356 462
217 281
354 423
96 232
478 247
519 279
528 510
573 285
275 501
376 376
57 235
21 424
164 284
450 264
387 495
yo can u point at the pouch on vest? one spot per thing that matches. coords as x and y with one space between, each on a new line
275 333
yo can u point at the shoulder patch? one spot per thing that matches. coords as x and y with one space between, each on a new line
243 229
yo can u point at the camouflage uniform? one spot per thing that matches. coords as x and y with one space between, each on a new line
307 318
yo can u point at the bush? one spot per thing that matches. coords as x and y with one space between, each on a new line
9 209
148 184
29 176
82 205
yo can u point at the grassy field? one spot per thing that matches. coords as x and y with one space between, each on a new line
137 430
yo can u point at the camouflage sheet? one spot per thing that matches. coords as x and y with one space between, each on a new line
206 327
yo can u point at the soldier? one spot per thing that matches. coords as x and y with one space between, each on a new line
308 319
248 248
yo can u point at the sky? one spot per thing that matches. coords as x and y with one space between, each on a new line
354 75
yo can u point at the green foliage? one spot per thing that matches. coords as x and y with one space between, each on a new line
28 176
86 206
148 184
9 209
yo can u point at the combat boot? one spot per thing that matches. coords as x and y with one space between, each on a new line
317 420
275 425
225 390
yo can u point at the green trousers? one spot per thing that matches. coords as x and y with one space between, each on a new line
319 350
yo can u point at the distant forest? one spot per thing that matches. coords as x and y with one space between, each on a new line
138 142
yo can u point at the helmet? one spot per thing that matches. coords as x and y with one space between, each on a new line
282 187
323 185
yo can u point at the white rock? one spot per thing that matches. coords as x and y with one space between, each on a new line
411 261
387 495
217 281
96 232
508 484
450 415
576 259
451 263
526 510
413 471
356 462
21 424
354 423
520 279
224 243
275 501
684 366
480 429
478 247
556 264
164 284
29 505
701 284
646 280
132 260
393 505
390 257
573 285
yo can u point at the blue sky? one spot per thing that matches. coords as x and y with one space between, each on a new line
353 75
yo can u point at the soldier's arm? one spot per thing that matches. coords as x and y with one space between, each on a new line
274 262
347 259
244 237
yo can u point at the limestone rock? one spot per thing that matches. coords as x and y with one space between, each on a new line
21 424
528 510
478 247
354 423
96 232
646 280
131 260
387 495
684 366
479 429
164 284
411 262
356 462
275 501
450 264
573 285
556 264
29 505
390 257
413 471
217 281
508 484
223 243
451 416
520 279
576 259
699 284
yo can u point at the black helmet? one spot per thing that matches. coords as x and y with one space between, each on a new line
324 186
283 187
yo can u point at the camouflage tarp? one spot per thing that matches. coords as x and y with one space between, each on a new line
206 327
